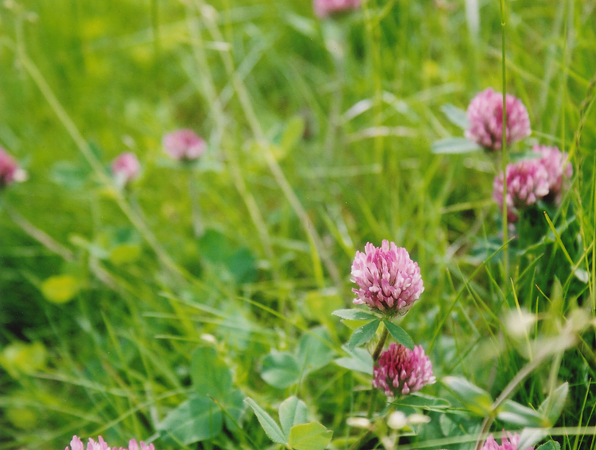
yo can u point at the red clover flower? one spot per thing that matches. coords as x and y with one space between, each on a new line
9 169
527 181
530 180
388 280
557 172
401 370
509 441
77 444
125 168
184 145
324 8
485 114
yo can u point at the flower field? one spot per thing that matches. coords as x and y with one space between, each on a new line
308 225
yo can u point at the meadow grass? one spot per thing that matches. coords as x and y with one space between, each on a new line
319 137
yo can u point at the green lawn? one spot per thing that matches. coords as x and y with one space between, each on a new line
151 312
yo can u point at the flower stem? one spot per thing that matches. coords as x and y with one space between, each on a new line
371 403
195 208
375 357
359 441
379 347
504 159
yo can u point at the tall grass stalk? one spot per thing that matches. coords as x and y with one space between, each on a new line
504 155
209 92
318 250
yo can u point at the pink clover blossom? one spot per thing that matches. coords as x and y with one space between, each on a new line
77 444
388 280
485 114
324 8
401 370
126 168
184 145
509 441
9 169
557 172
527 182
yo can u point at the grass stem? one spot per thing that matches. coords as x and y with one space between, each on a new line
37 234
504 155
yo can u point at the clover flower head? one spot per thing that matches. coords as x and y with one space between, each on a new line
527 182
558 173
184 145
388 280
77 444
324 8
126 168
485 114
509 441
9 169
132 445
401 370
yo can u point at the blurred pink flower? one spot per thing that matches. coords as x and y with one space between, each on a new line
324 8
527 181
9 169
485 114
557 175
132 445
77 444
125 168
388 280
184 145
508 442
401 370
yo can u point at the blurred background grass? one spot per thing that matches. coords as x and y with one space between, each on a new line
346 109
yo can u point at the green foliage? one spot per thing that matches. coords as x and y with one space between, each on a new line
363 334
271 427
399 334
283 369
196 419
292 411
454 145
219 251
151 311
552 406
210 375
309 436
359 360
550 445
422 401
353 314
521 416
296 433
60 288
456 116
280 370
19 358
475 399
